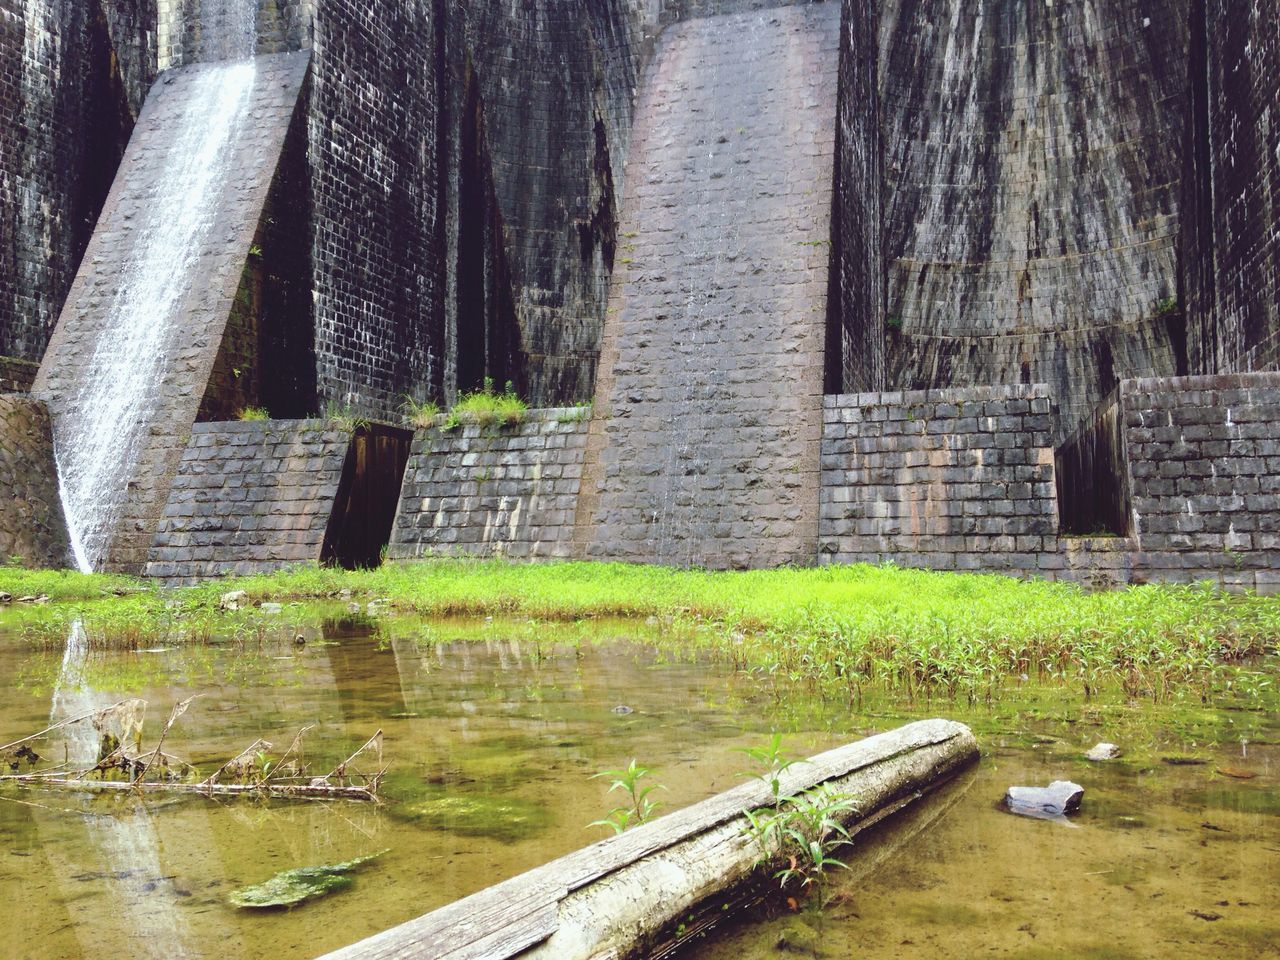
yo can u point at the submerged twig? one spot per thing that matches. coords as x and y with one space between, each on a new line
121 723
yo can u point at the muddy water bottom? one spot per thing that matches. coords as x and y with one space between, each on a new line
492 744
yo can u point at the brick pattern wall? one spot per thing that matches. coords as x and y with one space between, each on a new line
249 497
31 523
557 80
1032 179
704 443
188 361
959 479
1204 470
16 376
1233 246
493 491
377 249
64 120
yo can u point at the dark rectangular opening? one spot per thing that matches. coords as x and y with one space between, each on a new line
368 494
1092 476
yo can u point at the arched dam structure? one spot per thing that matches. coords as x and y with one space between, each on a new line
962 284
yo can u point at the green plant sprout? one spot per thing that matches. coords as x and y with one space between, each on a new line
771 763
639 807
253 414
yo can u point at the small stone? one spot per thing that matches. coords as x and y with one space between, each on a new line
5 597
622 710
1103 752
1056 800
233 599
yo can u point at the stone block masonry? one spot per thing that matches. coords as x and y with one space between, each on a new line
493 491
32 530
703 449
1231 240
1176 480
66 112
249 497
205 306
959 479
1018 247
1203 472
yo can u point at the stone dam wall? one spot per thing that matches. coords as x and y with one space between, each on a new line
1177 480
707 214
703 446
84 340
32 528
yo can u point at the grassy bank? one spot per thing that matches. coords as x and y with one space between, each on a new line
839 628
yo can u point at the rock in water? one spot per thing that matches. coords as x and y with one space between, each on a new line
1103 752
622 710
232 600
291 887
1056 800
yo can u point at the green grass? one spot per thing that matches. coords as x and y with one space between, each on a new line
254 413
484 407
837 628
420 415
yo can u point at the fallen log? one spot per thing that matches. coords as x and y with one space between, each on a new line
620 898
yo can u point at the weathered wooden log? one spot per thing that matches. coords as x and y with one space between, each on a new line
616 899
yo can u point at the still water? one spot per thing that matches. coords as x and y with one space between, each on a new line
1166 859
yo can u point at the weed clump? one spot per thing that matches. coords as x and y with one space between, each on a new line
253 414
485 407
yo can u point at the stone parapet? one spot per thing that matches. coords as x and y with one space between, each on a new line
249 497
493 491
957 479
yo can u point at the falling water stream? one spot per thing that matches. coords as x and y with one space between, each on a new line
118 391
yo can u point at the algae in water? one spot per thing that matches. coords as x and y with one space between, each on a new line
291 887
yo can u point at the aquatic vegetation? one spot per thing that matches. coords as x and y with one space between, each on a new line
480 815
639 808
804 833
772 762
292 887
840 630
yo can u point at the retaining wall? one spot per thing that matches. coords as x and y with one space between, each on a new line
493 491
1175 480
249 497
32 529
946 479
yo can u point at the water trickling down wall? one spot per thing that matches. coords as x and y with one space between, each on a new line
124 374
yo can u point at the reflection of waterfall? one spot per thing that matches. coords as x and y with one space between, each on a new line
127 844
101 431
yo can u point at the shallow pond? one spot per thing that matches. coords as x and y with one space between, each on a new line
492 744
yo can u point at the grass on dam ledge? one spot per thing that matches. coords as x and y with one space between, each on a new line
837 627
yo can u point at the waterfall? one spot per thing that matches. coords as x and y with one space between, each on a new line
229 29
106 421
